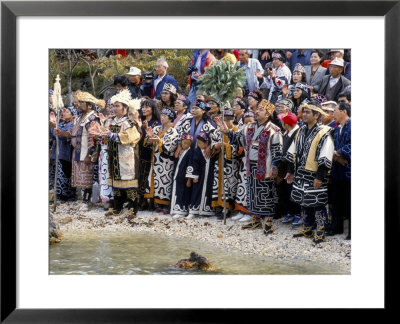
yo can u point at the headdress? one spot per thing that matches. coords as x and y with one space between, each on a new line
279 55
87 97
299 68
302 86
269 107
290 118
124 96
255 96
248 114
320 98
209 99
73 110
169 87
228 113
184 99
241 103
200 103
313 105
287 103
327 105
203 137
186 136
169 112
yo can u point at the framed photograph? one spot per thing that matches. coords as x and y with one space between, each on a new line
29 29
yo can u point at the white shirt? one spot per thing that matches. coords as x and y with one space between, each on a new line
157 81
252 66
333 81
292 131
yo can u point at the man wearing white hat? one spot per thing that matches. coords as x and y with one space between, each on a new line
339 53
335 82
135 87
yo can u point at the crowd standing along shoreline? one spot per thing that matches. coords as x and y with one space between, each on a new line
261 137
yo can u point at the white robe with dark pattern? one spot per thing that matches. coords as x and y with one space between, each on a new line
162 166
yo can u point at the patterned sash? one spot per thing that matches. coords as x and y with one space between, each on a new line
113 165
262 152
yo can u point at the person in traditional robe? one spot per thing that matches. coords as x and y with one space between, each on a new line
182 186
106 192
83 144
263 144
290 209
194 123
180 107
310 159
226 172
241 191
122 136
168 97
201 171
163 139
150 116
64 167
239 107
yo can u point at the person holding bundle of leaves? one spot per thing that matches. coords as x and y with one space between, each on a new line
230 166
263 144
243 214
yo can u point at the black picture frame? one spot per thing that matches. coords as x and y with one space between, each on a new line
11 10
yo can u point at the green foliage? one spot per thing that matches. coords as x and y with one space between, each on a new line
106 68
221 81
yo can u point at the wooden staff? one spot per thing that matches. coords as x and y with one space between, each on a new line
58 104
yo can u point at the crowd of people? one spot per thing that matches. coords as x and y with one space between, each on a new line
280 150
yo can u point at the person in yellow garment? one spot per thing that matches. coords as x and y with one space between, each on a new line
121 135
310 160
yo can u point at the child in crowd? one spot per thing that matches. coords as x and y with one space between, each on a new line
181 190
201 172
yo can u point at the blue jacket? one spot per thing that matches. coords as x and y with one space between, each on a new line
65 149
297 57
343 147
167 79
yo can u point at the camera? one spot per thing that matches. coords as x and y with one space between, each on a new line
191 69
148 75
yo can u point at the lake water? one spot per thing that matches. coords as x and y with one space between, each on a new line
105 253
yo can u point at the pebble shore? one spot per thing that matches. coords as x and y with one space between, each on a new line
76 216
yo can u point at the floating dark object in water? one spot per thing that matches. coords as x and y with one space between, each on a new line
195 261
